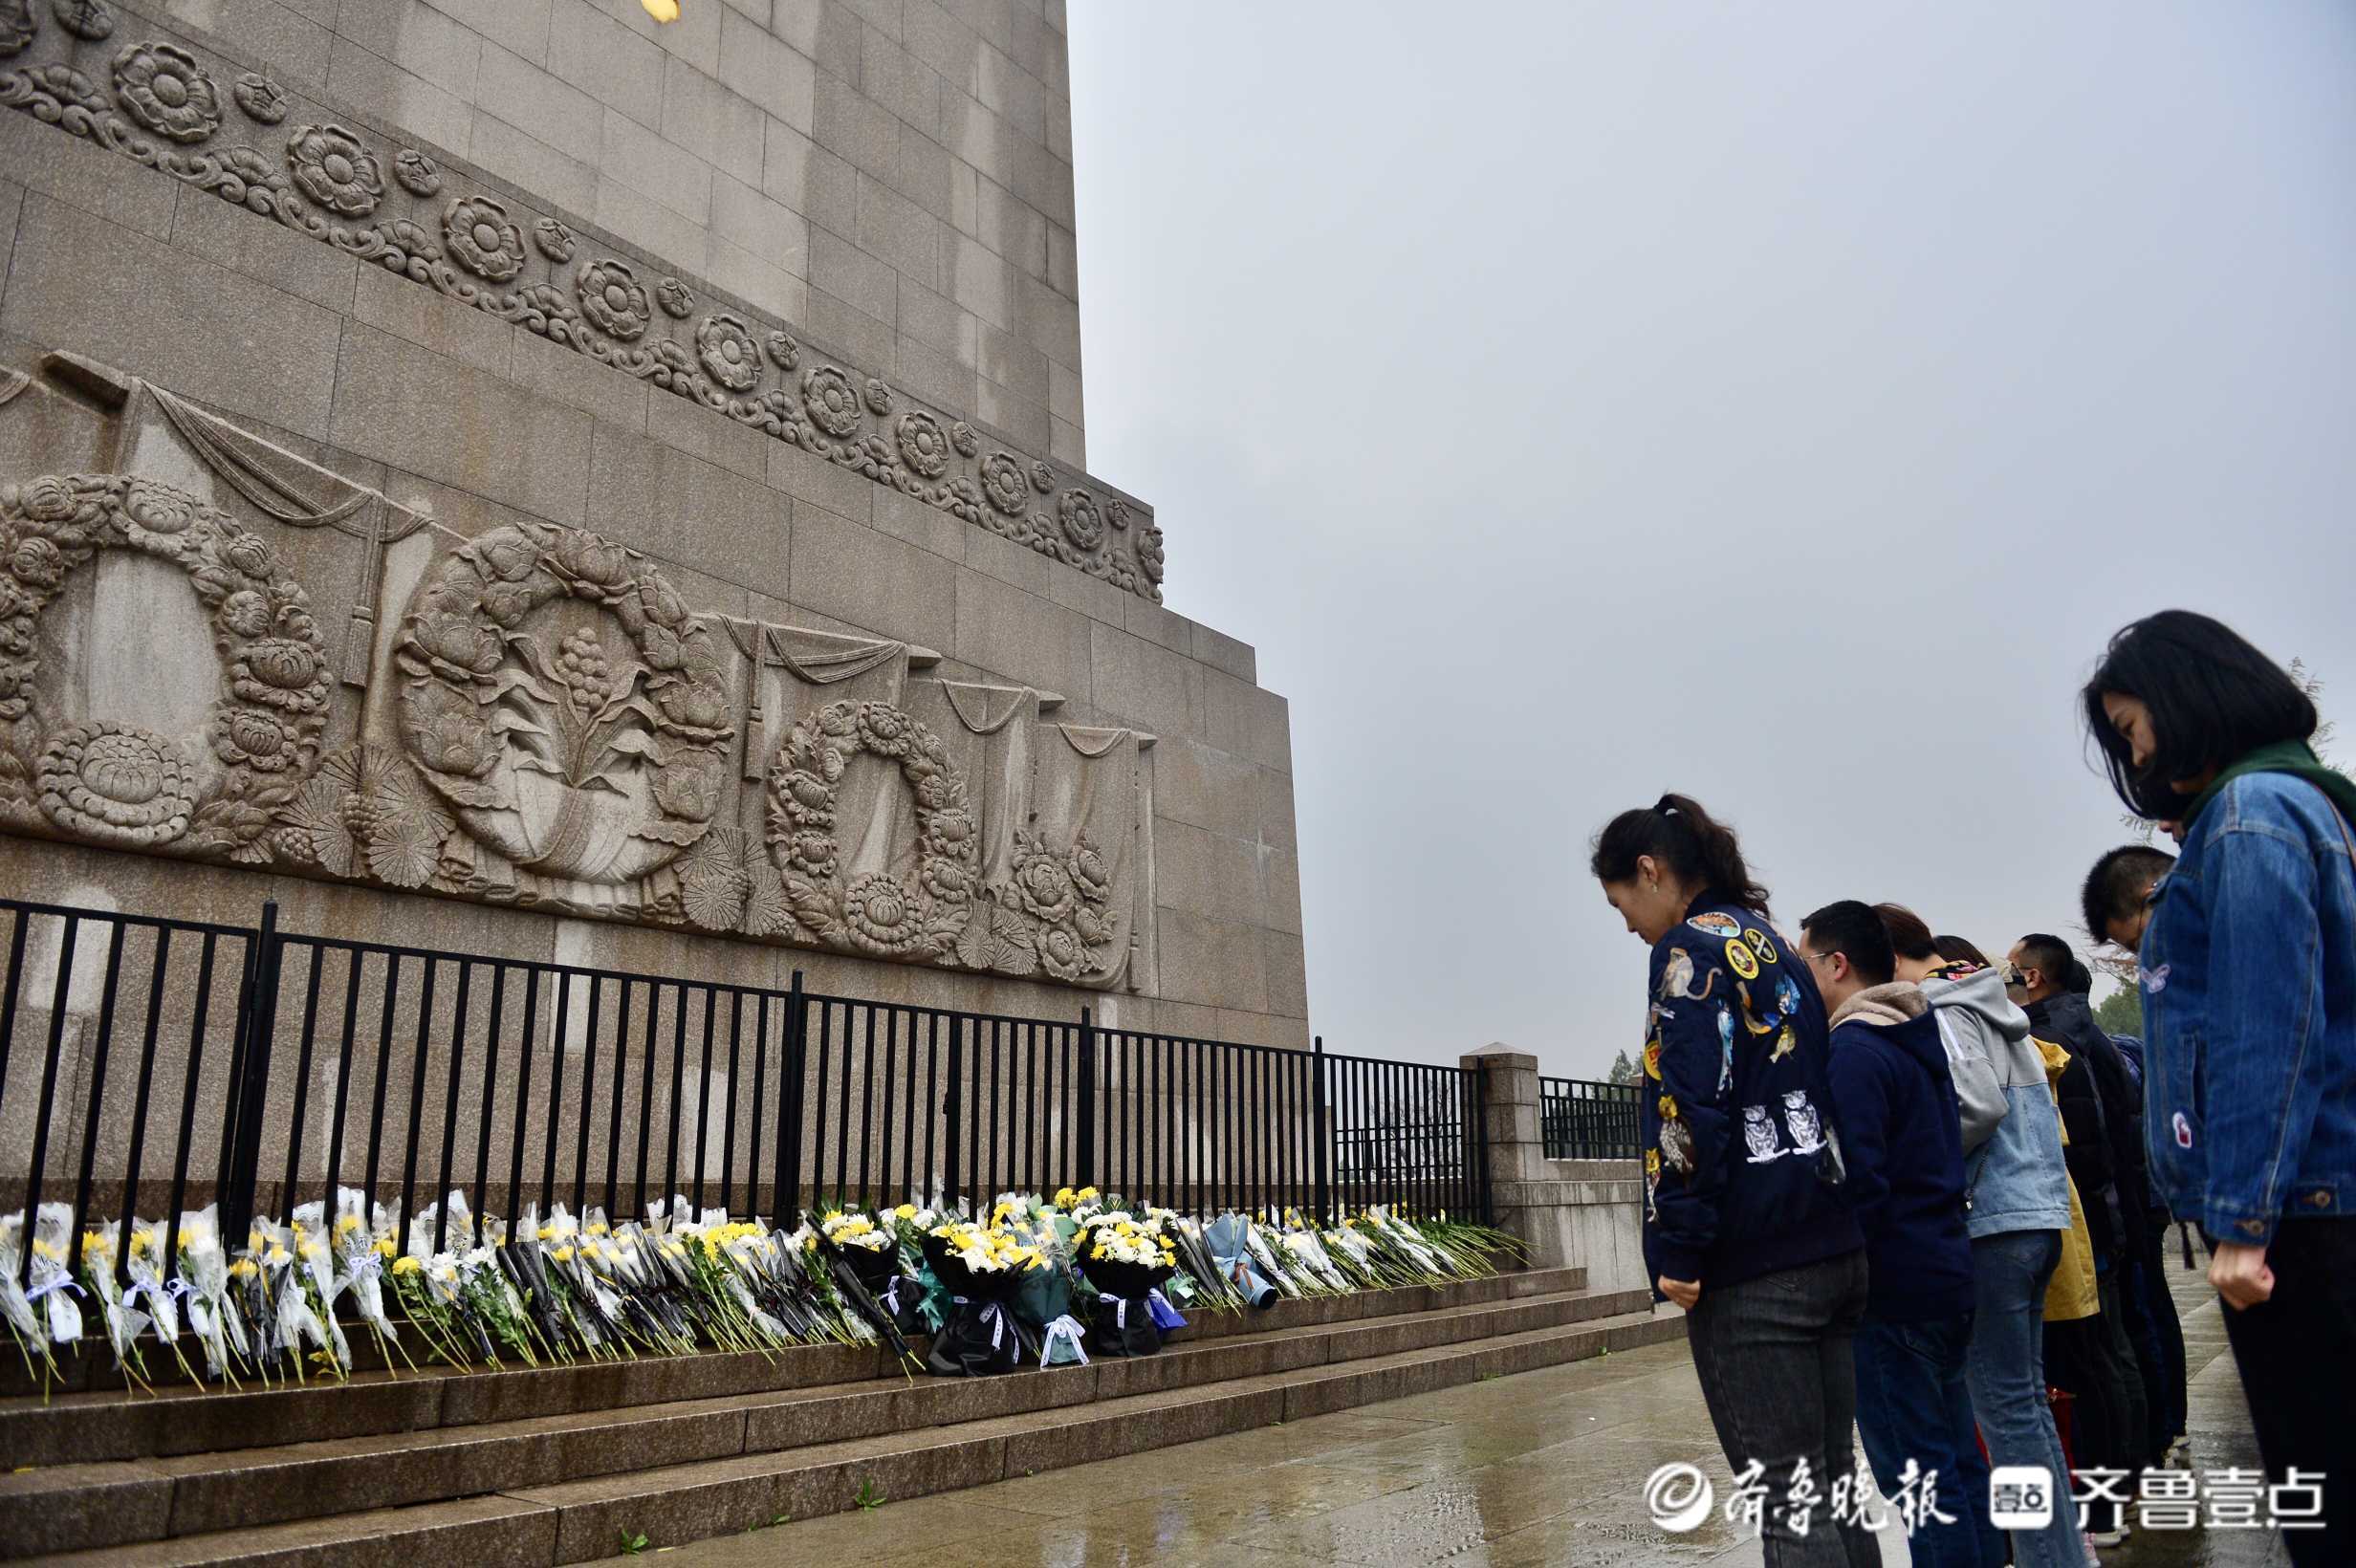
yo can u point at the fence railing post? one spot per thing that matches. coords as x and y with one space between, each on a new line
1321 1165
1480 1132
257 1029
1085 1081
953 1110
790 1104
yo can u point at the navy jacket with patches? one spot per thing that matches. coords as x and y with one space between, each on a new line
1742 1163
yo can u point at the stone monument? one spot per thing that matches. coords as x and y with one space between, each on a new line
512 477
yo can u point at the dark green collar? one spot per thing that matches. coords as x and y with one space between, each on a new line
2295 757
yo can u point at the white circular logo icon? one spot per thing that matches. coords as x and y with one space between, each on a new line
1678 1496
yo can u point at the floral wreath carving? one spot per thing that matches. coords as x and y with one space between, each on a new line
486 699
114 783
875 913
1050 915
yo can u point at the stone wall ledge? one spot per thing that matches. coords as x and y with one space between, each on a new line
350 181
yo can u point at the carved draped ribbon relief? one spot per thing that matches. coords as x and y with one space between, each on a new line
549 723
392 206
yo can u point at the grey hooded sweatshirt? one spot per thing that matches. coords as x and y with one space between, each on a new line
2014 1176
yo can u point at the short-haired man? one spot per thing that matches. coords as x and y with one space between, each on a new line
2116 899
2016 1201
1895 1102
2093 1358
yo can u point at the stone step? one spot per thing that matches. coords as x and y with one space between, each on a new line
113 1502
583 1519
183 1419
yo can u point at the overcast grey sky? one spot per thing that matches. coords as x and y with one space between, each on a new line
1777 404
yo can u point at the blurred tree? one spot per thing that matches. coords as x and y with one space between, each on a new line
2122 1011
1622 1070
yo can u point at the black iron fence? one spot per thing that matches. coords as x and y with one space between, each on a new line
1581 1120
149 1065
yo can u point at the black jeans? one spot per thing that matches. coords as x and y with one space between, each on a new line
2089 1358
2297 1353
2158 1338
1777 1361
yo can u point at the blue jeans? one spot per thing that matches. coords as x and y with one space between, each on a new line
1911 1406
1776 1367
2006 1370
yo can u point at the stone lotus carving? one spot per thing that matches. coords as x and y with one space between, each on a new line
831 400
728 354
482 239
416 173
264 101
1149 552
89 19
19 22
332 167
562 702
116 784
922 444
327 181
122 785
874 912
160 86
1083 525
1003 484
611 297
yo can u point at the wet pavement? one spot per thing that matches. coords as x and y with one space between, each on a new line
1546 1467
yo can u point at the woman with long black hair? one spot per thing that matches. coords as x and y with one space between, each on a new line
1744 1225
2248 970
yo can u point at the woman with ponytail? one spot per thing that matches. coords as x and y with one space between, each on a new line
1745 1226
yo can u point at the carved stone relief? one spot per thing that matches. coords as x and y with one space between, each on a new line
396 206
536 715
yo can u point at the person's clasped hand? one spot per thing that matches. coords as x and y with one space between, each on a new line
2240 1275
1686 1292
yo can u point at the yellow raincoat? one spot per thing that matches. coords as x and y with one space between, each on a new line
2072 1294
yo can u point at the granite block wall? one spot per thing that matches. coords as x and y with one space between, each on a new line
895 174
126 248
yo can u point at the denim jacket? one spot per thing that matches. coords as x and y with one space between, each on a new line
2249 990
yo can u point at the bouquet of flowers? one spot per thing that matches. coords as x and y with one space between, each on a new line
1127 1258
981 1266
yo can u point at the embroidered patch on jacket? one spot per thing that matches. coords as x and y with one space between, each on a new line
1741 959
1759 945
1807 1130
1716 924
2155 980
1759 1132
2182 1125
1677 978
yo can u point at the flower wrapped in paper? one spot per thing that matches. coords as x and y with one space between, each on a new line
1127 1258
1227 1239
981 1266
